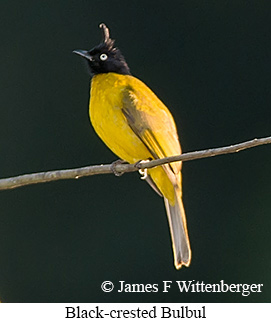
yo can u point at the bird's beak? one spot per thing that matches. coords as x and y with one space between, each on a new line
83 53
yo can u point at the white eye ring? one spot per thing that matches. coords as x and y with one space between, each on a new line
103 57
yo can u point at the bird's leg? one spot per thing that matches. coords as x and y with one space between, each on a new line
114 164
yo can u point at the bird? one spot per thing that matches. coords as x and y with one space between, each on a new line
137 126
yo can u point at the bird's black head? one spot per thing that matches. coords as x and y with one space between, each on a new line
105 57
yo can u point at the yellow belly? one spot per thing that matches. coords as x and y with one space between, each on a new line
111 126
108 120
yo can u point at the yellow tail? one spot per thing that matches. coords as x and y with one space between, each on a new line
178 230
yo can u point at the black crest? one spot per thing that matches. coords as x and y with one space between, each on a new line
106 37
105 57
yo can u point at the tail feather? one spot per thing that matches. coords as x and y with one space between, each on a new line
178 231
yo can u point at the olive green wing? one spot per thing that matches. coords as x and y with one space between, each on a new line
153 123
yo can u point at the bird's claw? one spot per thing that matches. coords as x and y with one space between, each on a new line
144 171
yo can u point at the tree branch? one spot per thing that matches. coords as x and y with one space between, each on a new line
44 177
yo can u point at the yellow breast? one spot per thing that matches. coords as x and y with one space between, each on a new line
107 118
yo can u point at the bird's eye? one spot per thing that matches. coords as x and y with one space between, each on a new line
103 57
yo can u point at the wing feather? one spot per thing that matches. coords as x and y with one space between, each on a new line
152 122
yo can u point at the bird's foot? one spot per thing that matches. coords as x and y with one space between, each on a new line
114 164
144 171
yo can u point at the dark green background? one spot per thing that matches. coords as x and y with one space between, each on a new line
209 61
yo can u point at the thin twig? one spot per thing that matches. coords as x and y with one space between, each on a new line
44 177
